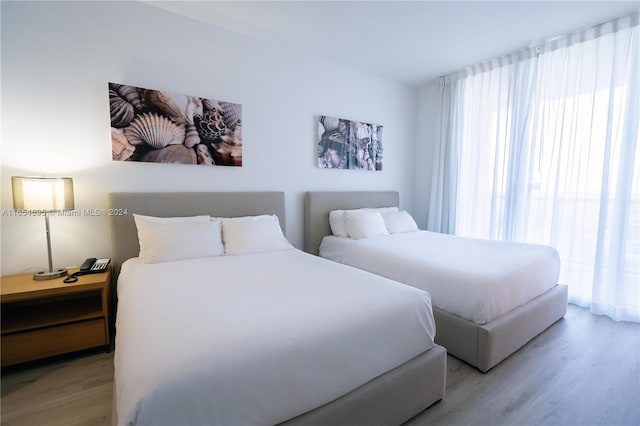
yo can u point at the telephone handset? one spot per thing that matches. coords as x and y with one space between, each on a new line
90 266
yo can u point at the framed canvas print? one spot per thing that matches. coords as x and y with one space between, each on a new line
164 127
347 144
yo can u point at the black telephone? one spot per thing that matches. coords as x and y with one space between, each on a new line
94 266
90 266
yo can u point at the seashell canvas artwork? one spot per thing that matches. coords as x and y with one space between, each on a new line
164 127
347 144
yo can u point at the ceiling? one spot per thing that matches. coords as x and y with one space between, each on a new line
410 42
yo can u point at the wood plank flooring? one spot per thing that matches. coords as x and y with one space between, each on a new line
584 370
76 391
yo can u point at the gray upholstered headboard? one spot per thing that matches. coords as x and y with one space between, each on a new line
317 206
124 235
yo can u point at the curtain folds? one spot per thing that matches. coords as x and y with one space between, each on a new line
542 146
441 215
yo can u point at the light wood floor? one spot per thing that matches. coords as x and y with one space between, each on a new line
584 370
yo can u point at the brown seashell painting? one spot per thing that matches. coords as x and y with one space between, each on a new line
211 126
176 154
164 127
122 111
231 114
192 137
121 149
235 136
129 93
211 104
179 108
227 153
155 130
204 155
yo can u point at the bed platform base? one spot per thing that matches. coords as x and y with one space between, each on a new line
484 346
390 399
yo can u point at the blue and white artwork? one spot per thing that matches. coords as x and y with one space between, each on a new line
348 144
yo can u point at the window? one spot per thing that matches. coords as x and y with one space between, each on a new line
548 153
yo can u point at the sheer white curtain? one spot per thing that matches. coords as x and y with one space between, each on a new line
442 203
546 142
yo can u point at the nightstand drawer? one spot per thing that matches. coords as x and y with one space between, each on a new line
41 343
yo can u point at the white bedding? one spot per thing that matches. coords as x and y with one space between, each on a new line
256 338
478 280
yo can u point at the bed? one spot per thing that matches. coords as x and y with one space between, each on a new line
482 339
257 341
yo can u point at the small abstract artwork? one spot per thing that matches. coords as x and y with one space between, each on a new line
164 127
347 144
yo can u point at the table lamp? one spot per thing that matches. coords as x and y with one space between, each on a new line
43 195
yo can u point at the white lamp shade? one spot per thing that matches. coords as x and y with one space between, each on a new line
42 193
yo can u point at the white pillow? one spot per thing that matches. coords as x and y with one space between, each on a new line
139 218
399 222
253 234
336 219
163 241
364 224
384 210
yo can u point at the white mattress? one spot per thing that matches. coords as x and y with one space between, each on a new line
256 339
478 280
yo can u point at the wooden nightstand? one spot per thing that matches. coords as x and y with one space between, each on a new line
46 318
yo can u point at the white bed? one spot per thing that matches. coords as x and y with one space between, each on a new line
278 336
265 337
478 280
489 298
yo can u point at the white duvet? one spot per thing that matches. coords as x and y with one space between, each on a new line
478 280
256 339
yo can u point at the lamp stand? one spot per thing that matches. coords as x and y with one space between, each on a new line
51 274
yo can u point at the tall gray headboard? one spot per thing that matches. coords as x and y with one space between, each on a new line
317 206
124 235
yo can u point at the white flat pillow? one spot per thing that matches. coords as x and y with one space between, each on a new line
399 222
253 234
336 219
175 240
364 224
140 218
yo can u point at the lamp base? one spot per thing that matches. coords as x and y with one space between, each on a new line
50 275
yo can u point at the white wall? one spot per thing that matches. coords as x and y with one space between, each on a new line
57 58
